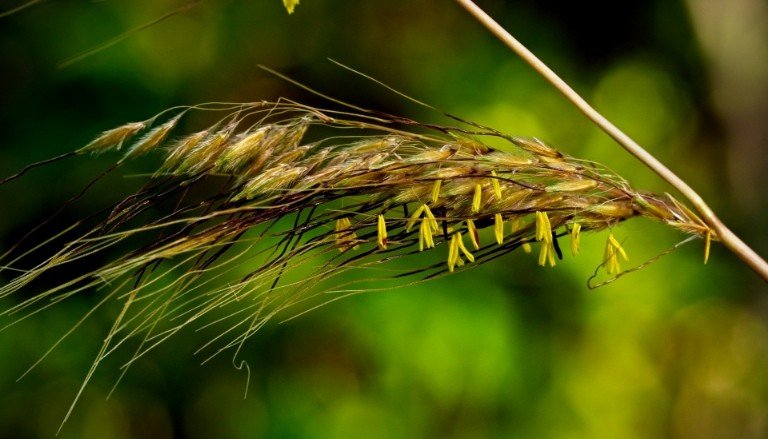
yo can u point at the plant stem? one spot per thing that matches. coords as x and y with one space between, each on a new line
724 234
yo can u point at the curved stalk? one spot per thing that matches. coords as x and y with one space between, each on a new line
724 234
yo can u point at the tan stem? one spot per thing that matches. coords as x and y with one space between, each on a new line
724 234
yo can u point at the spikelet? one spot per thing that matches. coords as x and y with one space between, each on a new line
241 152
204 155
113 138
152 139
537 147
181 148
279 178
507 160
572 186
612 210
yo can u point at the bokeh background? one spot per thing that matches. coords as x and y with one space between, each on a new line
511 349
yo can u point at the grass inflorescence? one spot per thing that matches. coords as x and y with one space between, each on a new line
263 210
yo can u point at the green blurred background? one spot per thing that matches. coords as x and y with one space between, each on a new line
511 349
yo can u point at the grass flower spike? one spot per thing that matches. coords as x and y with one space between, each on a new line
257 215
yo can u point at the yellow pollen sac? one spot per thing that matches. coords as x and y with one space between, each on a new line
543 227
463 248
436 190
382 233
707 245
618 246
547 254
612 251
496 185
498 228
543 254
527 247
416 215
539 227
477 198
453 253
575 244
421 237
431 218
544 234
425 235
473 235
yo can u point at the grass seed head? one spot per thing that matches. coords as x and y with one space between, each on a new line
112 139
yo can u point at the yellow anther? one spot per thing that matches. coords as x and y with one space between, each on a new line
496 185
425 235
498 228
416 215
453 253
547 253
543 227
477 198
436 190
618 246
431 218
575 243
539 227
473 235
382 232
544 234
421 237
612 251
543 254
463 248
